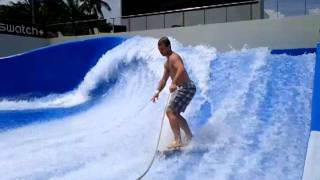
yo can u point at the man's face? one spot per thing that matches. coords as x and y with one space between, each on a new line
164 50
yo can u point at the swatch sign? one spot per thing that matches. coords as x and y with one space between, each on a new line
21 29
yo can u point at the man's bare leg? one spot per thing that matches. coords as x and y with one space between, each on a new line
185 127
174 123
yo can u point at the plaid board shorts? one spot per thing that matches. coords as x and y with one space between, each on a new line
182 96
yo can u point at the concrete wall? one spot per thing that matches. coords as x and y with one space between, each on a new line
11 44
312 163
285 33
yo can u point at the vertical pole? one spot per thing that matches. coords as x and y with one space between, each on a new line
146 22
182 18
277 8
32 11
227 14
305 7
250 11
113 19
204 16
261 9
164 21
129 24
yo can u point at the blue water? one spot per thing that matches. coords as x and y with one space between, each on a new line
250 118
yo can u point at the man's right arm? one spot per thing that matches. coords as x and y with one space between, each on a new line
163 80
162 84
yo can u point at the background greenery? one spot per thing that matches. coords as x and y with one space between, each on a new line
67 13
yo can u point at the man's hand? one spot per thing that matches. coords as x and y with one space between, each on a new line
155 97
172 88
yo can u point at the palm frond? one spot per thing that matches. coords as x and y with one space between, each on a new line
105 4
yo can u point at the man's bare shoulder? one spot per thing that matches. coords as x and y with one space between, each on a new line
174 57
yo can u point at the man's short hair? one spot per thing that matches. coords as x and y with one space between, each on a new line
164 40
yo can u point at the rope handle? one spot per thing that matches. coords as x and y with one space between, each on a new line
158 142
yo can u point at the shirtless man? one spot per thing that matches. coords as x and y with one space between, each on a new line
182 89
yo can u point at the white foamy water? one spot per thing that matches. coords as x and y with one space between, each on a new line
251 114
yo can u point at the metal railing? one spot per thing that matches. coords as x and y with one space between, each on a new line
204 15
283 8
246 10
194 8
201 15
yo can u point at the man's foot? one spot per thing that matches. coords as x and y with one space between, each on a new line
188 139
175 145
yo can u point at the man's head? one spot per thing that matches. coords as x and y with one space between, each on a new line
164 46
